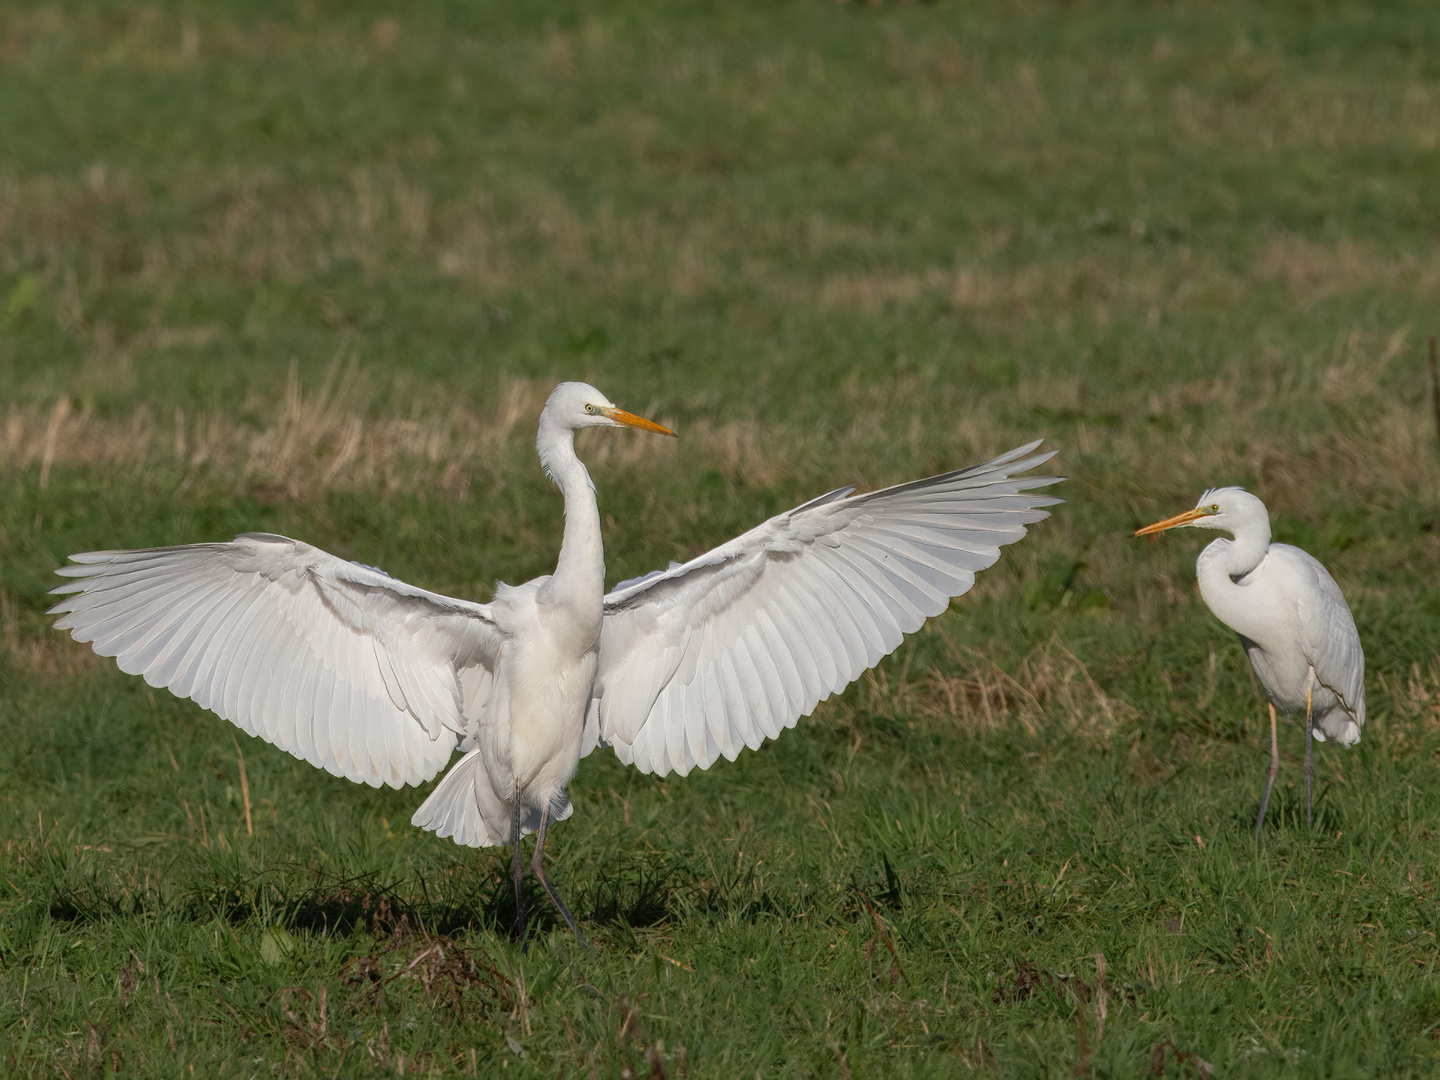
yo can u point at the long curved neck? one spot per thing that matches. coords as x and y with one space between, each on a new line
1222 562
579 578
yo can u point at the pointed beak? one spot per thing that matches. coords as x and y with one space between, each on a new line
1171 522
620 416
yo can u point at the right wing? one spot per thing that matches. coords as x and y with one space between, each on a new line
1331 643
340 664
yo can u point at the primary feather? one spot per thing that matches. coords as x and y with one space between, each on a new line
724 651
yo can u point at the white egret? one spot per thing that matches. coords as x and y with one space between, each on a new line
1292 620
375 680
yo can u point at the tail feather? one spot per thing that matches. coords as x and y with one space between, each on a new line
1339 726
466 808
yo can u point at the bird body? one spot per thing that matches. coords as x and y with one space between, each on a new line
379 681
1281 639
1291 617
544 679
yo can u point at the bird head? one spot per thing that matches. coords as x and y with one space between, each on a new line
575 405
1226 509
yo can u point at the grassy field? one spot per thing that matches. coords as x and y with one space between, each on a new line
311 268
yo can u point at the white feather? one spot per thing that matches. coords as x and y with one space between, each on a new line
796 609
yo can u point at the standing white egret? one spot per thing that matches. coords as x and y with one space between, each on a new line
1292 620
375 680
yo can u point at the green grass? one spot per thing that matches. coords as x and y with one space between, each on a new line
312 268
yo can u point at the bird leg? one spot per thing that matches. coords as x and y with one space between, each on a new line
1309 729
538 865
1274 768
517 872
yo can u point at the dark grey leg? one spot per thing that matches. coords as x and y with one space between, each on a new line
1274 768
538 865
1309 728
517 872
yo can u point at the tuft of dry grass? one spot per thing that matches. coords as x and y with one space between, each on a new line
1050 687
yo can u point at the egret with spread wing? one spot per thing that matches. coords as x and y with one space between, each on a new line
1292 620
375 680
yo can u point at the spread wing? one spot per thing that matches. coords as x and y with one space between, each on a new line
724 651
337 663
1331 643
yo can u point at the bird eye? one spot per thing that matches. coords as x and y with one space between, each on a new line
1214 508
590 408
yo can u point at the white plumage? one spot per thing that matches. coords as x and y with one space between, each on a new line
337 663
377 681
725 651
1292 620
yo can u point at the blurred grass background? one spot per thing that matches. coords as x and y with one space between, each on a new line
312 268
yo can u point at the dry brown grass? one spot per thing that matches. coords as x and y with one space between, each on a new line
1314 272
1049 687
336 437
312 441
1158 284
55 658
1299 423
1415 698
356 431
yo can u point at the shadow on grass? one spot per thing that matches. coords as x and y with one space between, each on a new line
630 893
284 894
642 892
1286 813
634 893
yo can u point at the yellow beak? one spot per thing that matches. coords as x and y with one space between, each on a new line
1171 522
620 416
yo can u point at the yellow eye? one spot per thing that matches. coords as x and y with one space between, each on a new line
1214 508
590 408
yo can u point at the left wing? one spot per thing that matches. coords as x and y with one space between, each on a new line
728 649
